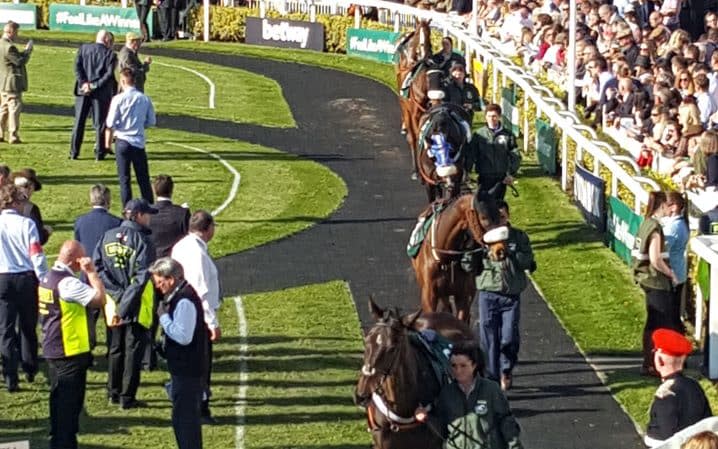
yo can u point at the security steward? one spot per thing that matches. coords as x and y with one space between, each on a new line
499 286
495 154
123 258
680 401
63 303
185 348
462 93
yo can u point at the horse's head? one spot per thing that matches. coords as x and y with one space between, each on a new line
487 226
383 349
423 31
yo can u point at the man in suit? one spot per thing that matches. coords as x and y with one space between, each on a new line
94 87
90 227
13 82
643 9
130 59
169 225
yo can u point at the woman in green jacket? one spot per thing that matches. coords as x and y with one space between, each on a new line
471 412
655 276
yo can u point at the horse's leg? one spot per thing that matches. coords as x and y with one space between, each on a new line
411 138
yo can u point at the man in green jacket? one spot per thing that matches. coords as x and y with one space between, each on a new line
499 286
495 154
13 82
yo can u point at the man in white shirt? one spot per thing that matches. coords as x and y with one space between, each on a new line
201 273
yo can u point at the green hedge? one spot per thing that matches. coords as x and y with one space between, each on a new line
229 24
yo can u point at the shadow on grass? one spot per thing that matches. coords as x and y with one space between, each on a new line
302 363
567 235
293 418
320 446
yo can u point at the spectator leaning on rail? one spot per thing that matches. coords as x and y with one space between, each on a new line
185 348
67 338
13 82
123 257
495 154
22 263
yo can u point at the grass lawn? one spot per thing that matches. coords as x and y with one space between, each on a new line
241 96
302 191
304 350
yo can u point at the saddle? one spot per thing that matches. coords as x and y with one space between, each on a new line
422 229
437 351
409 78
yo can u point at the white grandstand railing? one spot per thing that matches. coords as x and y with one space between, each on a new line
474 47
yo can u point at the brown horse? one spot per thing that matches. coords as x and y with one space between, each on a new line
444 133
460 228
396 377
413 51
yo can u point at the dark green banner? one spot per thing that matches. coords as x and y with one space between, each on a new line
622 228
372 44
90 19
24 14
546 146
509 111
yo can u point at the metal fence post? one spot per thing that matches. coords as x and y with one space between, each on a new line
564 162
357 17
397 22
262 9
312 12
526 122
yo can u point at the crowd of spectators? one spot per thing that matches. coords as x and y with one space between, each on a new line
645 71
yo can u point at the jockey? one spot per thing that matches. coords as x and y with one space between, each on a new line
440 150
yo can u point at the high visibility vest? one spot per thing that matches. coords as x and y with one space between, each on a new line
65 324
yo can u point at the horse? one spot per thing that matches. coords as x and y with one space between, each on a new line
412 56
444 133
466 226
396 377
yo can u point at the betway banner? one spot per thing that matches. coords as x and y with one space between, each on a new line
622 227
24 14
285 33
372 44
588 192
94 18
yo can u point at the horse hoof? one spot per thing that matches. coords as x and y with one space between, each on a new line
403 131
414 176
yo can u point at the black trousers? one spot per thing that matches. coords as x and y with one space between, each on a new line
125 156
68 379
186 397
127 346
142 13
207 379
99 104
168 20
18 305
662 311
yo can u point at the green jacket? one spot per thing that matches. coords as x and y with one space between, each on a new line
13 75
496 154
483 420
644 272
508 277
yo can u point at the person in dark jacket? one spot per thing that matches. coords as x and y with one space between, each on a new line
680 401
94 86
446 56
90 227
129 59
26 180
123 257
462 93
471 412
185 344
495 153
169 225
628 46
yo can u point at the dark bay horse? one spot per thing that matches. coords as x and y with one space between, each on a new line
413 54
396 377
444 130
464 225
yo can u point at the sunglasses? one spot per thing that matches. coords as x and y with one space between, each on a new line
685 79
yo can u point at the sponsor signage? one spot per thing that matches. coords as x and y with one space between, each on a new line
546 146
372 44
94 18
621 228
25 14
588 192
285 33
509 111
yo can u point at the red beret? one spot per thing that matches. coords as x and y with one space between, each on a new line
671 342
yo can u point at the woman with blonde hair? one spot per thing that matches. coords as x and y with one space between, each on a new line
684 83
702 440
689 117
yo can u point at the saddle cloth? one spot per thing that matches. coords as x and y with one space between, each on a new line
421 230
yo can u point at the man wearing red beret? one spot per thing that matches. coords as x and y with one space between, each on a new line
680 401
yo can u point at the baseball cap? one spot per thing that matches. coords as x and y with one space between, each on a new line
139 206
671 342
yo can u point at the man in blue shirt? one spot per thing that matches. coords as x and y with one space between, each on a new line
130 113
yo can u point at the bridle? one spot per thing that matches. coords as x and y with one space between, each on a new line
437 252
396 423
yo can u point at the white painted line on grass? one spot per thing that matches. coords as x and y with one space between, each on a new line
200 74
235 182
243 374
